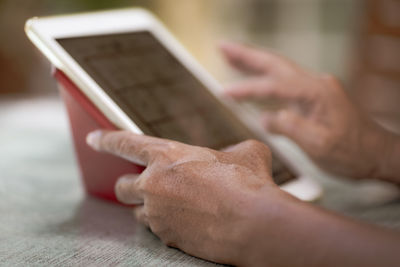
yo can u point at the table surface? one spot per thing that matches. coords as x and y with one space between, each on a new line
47 219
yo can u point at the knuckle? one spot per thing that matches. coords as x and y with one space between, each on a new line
252 143
324 146
166 152
172 145
122 144
159 231
144 185
154 183
258 147
175 173
283 115
148 184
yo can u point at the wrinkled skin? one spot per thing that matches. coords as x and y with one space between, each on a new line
223 206
317 114
205 193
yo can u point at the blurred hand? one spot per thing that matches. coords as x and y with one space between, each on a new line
194 198
317 114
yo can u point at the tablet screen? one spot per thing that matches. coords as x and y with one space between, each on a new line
156 91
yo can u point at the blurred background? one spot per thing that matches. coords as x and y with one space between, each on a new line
356 40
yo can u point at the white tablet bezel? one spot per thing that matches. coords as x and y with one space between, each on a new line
43 32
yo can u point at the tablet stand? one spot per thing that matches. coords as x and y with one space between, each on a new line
99 171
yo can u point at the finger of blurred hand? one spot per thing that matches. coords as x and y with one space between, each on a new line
247 59
257 88
127 189
292 125
137 148
140 215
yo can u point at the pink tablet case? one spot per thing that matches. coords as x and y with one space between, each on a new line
99 171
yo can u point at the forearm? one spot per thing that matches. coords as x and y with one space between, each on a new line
304 235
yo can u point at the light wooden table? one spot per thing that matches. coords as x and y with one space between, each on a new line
46 219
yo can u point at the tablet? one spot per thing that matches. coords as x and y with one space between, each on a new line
133 70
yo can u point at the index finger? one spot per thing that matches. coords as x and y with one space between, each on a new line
248 59
256 88
140 149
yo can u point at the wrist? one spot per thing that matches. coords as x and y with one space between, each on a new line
378 153
268 220
284 231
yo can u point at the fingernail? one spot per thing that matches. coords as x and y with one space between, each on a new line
93 139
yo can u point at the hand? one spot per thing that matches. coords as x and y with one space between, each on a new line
317 114
224 207
194 198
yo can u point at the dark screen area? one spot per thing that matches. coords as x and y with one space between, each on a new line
158 93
